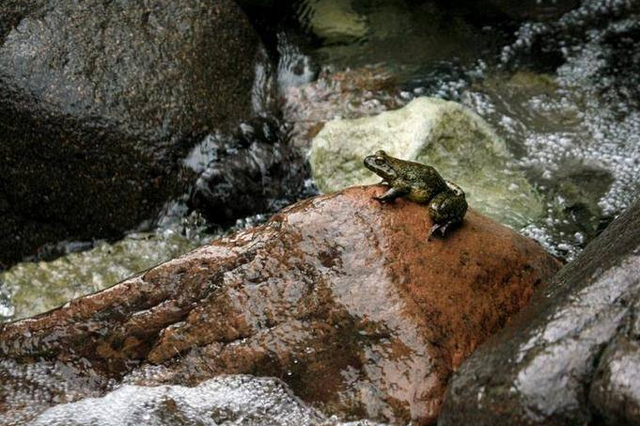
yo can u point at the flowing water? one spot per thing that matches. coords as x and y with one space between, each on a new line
561 90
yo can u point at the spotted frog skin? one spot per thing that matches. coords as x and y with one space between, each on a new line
422 184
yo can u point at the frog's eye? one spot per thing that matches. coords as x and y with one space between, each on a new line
379 161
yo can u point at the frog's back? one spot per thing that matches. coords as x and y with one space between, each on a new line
425 181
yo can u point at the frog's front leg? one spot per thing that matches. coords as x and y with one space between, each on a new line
393 193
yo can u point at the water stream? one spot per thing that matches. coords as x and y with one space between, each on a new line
560 91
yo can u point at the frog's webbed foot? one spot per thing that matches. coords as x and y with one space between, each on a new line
391 195
439 228
435 228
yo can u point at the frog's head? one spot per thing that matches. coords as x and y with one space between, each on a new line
380 163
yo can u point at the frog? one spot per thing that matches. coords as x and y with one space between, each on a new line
422 184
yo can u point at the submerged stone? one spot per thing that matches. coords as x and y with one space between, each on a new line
31 288
355 93
571 356
334 21
423 42
580 158
341 297
443 134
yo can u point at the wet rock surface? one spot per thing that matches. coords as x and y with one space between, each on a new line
223 401
615 390
228 400
98 101
571 356
342 298
256 170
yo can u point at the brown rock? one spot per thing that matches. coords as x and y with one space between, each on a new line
339 296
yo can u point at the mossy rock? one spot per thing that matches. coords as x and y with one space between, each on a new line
334 21
446 135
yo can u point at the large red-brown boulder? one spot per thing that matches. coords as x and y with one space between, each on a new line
343 298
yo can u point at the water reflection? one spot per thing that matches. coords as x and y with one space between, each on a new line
408 38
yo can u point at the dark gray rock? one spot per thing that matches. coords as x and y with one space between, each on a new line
12 11
540 368
256 170
99 100
615 391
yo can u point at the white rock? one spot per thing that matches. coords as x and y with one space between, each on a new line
221 401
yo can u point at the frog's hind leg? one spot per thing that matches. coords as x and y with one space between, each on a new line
447 209
440 228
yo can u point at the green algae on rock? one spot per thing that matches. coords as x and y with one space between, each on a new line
36 287
443 134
